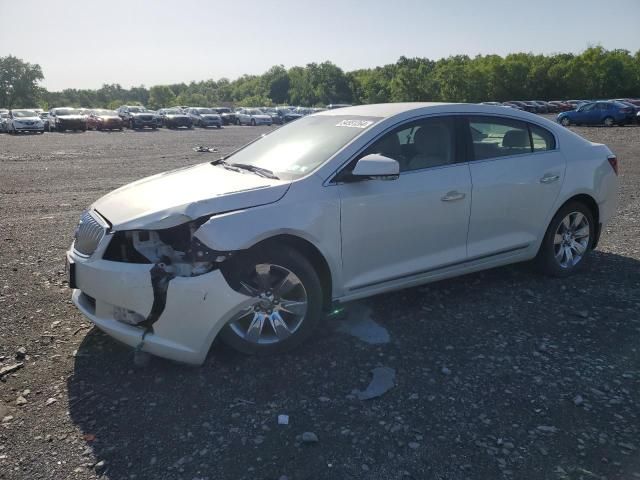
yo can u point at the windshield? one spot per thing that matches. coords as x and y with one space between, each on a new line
255 111
302 146
172 111
105 113
137 109
224 110
24 113
204 111
67 111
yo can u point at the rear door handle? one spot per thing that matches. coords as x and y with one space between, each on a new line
550 178
452 196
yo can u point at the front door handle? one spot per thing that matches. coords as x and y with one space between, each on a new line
550 178
452 196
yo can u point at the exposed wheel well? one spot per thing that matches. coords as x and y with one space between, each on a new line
592 205
312 253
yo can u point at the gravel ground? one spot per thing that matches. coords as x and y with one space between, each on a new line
501 374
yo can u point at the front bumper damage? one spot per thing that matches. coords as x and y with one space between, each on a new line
158 308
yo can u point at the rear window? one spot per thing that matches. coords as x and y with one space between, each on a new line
500 137
494 137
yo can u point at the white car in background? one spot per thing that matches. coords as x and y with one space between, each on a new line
22 121
205 117
253 117
336 206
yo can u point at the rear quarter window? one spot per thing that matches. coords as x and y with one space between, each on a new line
542 139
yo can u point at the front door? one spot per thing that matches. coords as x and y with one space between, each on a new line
392 229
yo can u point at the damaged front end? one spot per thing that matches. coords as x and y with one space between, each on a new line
160 291
174 252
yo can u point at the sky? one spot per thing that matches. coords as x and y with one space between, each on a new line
84 44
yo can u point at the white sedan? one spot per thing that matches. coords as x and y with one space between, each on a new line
20 121
253 117
336 206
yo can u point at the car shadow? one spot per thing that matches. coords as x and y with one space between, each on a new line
486 356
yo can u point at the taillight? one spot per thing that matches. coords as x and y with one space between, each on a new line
613 161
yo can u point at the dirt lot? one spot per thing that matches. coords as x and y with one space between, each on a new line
499 374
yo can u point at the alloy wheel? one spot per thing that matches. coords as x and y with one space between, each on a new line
279 308
571 239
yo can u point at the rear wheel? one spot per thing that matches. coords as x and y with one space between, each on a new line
287 302
568 240
608 122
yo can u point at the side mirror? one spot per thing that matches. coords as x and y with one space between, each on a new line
376 166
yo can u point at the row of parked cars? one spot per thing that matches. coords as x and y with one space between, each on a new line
138 117
619 111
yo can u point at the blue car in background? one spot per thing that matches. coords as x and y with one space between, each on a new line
597 113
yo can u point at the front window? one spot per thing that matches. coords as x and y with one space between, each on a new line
105 113
302 146
173 111
137 109
67 111
255 111
422 144
23 113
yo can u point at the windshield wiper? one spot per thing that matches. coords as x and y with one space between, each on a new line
263 172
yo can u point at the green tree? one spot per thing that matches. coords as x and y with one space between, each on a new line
161 96
19 82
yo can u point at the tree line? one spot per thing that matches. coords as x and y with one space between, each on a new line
594 73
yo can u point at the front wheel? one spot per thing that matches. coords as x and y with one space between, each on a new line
565 122
286 302
608 122
567 242
253 122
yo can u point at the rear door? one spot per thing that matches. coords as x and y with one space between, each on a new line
516 173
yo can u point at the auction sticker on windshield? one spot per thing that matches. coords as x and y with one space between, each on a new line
354 123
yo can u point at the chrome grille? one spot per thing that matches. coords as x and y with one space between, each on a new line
88 234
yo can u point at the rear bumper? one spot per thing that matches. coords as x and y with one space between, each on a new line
195 311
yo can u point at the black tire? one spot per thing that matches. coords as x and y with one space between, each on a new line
545 260
253 122
219 126
296 263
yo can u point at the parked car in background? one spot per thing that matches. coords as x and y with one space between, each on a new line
287 115
4 119
175 118
205 117
137 117
253 117
561 106
23 121
45 120
576 103
512 105
101 119
66 118
597 113
635 108
524 106
228 116
254 248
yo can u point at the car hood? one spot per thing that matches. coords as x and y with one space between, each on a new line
171 198
176 116
210 115
137 114
108 117
28 119
71 117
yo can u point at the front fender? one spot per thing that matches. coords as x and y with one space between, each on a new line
317 222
